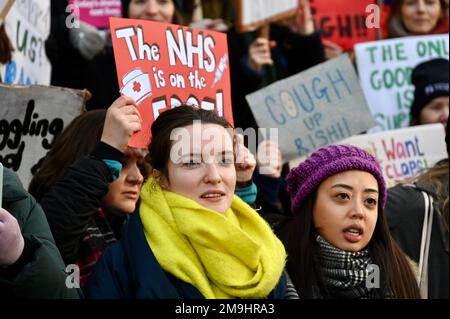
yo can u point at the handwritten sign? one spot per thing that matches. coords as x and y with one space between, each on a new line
314 108
30 117
162 66
402 153
385 69
28 26
252 14
97 12
342 23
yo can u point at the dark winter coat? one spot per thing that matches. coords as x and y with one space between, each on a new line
128 269
405 214
39 272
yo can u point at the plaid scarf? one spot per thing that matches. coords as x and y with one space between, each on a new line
97 236
345 272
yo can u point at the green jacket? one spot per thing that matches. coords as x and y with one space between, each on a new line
41 273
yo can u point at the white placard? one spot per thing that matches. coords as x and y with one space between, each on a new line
28 26
385 68
254 13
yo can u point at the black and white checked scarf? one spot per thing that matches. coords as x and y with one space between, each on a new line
345 272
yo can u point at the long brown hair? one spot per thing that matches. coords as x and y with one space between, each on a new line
442 24
79 138
298 235
397 5
435 176
6 47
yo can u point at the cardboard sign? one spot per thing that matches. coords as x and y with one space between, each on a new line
252 14
385 74
402 153
343 23
314 108
95 12
30 117
162 66
28 26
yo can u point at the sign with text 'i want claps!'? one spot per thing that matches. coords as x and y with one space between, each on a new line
163 65
404 153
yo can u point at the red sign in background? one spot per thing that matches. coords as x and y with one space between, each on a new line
343 22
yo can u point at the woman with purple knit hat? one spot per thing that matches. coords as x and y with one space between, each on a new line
338 241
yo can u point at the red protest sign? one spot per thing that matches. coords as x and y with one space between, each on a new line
344 23
163 65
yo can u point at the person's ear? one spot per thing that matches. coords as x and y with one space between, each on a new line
160 178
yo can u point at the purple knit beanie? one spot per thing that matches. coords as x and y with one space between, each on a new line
327 161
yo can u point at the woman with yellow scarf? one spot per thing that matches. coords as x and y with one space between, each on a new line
192 237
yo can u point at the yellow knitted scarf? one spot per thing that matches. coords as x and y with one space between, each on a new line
231 255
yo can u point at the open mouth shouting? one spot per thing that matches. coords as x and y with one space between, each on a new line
353 233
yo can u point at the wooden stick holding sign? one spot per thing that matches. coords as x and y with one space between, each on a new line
5 6
264 32
197 12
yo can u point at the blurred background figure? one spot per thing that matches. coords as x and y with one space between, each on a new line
417 17
293 46
217 15
406 211
90 182
6 47
431 94
71 48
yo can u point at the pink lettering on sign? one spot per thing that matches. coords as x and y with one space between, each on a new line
96 12
398 150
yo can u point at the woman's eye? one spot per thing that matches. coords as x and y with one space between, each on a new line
436 107
343 196
192 163
371 201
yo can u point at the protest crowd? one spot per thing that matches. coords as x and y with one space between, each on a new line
224 149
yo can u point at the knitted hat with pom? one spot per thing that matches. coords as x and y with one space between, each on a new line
328 161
